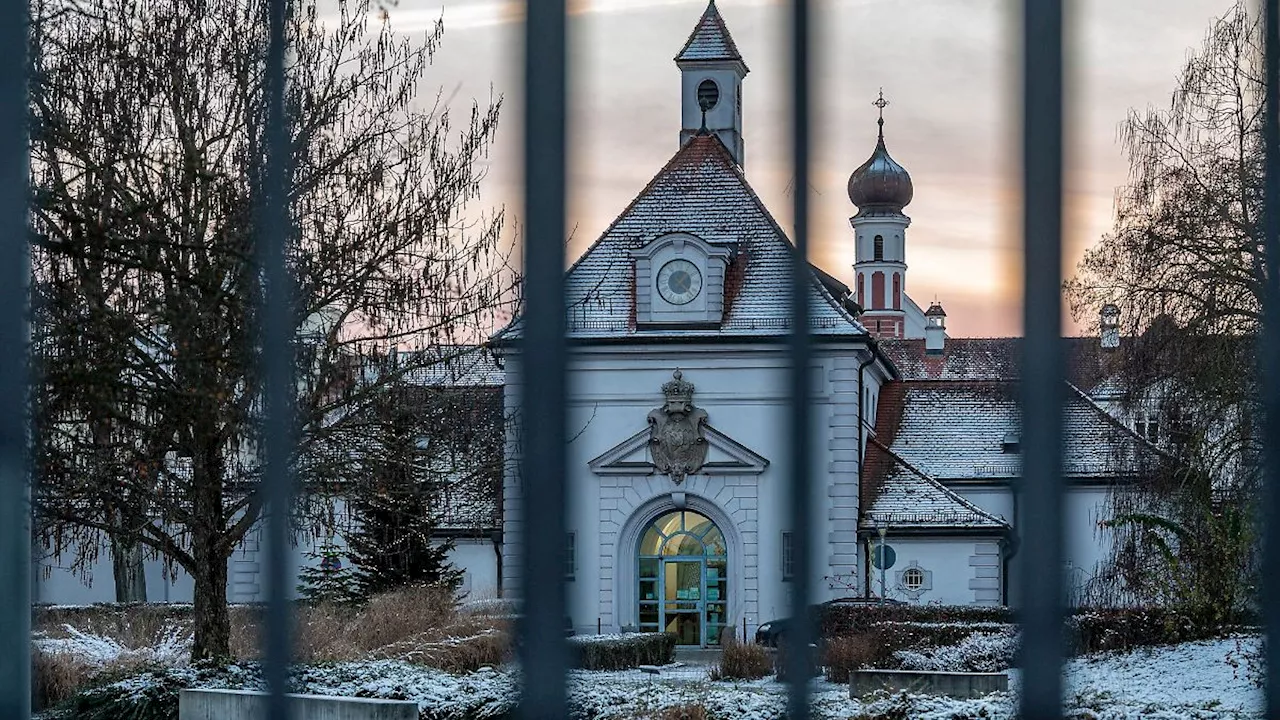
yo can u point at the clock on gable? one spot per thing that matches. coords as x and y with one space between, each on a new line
680 281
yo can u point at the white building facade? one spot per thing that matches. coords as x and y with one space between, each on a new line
678 410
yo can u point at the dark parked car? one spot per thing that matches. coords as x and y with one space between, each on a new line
773 633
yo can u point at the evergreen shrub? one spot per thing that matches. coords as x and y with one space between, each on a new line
622 652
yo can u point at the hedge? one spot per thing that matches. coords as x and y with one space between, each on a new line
845 620
1088 630
622 652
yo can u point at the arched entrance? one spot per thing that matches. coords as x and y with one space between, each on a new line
683 578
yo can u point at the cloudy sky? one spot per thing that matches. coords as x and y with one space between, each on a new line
948 67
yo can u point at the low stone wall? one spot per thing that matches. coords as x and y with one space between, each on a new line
247 705
952 684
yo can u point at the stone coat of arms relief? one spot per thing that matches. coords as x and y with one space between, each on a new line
677 440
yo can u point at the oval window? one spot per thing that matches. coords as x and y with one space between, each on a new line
708 94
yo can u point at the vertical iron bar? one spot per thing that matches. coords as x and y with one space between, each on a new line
799 660
1269 355
15 512
543 651
1042 365
277 364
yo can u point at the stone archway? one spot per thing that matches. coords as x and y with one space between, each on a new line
683 578
737 525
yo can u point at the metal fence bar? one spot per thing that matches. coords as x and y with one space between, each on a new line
1269 355
15 508
543 651
799 660
1042 365
277 364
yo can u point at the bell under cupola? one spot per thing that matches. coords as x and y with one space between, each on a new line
711 73
880 188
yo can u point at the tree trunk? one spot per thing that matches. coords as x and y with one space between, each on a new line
126 563
210 616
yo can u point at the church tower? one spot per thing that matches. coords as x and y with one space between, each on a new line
880 188
711 73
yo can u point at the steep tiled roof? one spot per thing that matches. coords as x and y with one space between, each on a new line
907 498
457 366
996 359
703 192
710 39
957 430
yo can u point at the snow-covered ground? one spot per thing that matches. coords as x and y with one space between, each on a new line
1207 679
1203 680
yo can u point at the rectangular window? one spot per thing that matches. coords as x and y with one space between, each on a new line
570 553
788 557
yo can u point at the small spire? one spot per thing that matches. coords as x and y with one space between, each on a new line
880 104
703 130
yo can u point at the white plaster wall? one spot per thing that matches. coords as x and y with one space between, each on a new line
478 561
59 584
742 388
951 563
1085 544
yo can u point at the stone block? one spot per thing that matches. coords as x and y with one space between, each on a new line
951 684
843 373
248 705
987 596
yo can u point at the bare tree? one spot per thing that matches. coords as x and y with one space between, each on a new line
1185 262
146 149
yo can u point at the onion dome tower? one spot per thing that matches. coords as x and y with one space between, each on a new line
880 188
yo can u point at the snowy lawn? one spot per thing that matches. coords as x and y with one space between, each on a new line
1198 680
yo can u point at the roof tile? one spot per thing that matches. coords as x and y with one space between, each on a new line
701 191
710 39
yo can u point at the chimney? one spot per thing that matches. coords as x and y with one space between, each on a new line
1110 325
935 329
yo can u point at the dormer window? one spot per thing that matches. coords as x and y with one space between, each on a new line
680 281
1148 426
1012 443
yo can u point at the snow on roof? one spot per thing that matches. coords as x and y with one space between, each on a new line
458 365
701 191
710 39
996 359
908 498
966 430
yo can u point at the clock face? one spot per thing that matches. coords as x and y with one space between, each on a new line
679 282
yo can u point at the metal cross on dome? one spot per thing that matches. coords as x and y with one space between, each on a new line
881 103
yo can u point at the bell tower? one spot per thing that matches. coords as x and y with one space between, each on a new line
881 188
711 73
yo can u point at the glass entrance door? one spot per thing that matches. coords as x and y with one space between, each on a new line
683 588
682 593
